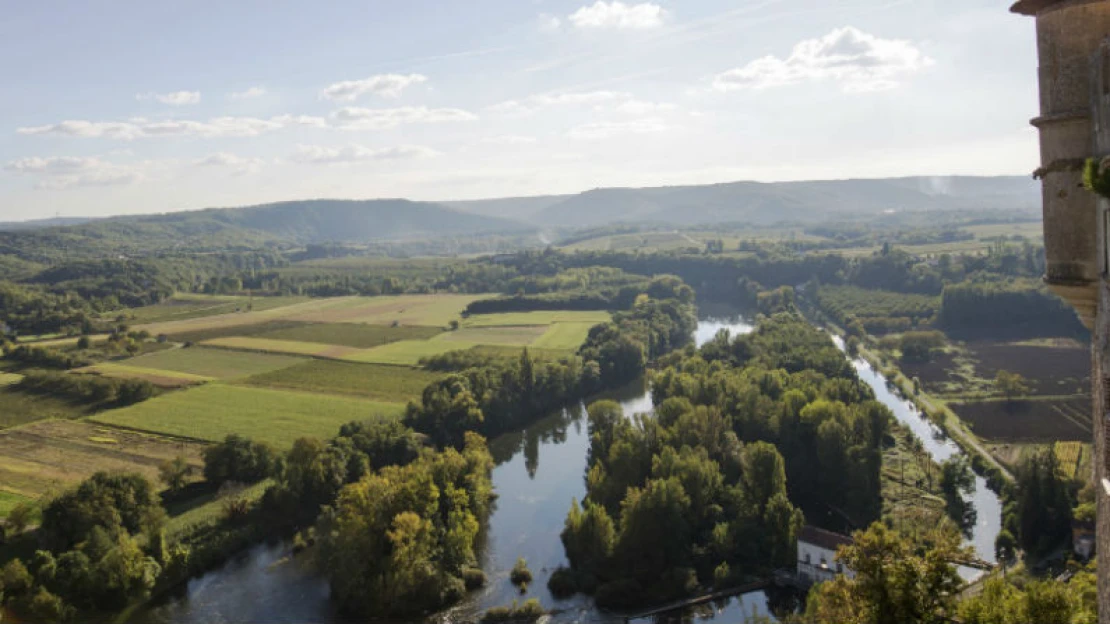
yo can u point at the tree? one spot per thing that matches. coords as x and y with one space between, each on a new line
894 581
956 482
19 517
239 459
174 473
1005 547
1010 385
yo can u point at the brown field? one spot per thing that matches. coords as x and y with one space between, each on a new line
1028 421
1050 370
53 454
934 374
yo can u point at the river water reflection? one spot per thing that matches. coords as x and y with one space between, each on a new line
538 472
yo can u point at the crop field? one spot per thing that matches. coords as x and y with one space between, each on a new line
519 335
52 454
1050 370
564 336
407 352
1048 420
175 328
277 417
427 310
395 384
17 408
212 363
936 375
350 334
538 318
1070 457
160 378
188 306
289 347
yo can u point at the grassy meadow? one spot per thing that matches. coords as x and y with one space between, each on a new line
277 417
212 363
395 384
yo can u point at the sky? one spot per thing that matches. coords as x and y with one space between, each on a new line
138 107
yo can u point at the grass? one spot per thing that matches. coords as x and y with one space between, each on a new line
518 335
426 310
537 318
7 379
50 455
566 336
350 334
207 514
1070 456
383 383
18 408
407 352
9 500
290 347
211 363
160 378
277 417
189 306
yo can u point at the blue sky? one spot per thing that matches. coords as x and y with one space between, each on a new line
147 107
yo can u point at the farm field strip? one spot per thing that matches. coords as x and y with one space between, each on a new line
1070 456
358 335
407 352
238 319
277 417
518 335
504 319
289 347
1020 421
160 378
564 336
427 310
42 456
380 382
212 363
188 306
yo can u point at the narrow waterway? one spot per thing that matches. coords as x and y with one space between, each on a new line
538 471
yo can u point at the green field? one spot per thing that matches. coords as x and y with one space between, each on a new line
407 352
189 306
566 336
537 318
264 345
427 310
520 335
160 378
212 363
350 334
17 408
277 417
396 384
8 500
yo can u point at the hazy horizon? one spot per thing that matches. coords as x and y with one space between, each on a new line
143 109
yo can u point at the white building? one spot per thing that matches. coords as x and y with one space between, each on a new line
817 555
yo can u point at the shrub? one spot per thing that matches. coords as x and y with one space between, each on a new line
473 578
562 583
520 575
530 611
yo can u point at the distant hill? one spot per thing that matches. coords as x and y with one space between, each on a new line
519 208
761 203
35 224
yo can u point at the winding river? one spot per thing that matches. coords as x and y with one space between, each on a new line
538 471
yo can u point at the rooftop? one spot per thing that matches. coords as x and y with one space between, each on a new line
822 538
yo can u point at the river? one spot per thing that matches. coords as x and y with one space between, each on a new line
538 471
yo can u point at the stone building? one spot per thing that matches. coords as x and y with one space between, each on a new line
1073 51
817 555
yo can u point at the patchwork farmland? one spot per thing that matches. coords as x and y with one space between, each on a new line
272 369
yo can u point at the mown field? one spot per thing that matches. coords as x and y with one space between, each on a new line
290 347
355 335
49 455
187 306
393 384
277 417
160 378
212 363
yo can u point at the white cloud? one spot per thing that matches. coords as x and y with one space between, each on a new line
141 128
509 139
642 107
619 15
382 85
353 118
176 98
860 61
324 155
251 93
534 103
609 129
64 172
238 165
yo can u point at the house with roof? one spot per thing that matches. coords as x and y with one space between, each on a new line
817 555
